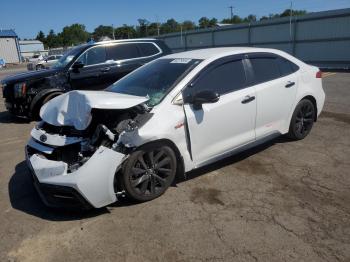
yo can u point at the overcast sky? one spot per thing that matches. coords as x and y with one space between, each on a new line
27 17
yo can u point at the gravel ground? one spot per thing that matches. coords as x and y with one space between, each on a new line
282 201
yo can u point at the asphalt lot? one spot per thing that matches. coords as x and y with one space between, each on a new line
282 201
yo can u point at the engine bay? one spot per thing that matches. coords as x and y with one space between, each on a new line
106 128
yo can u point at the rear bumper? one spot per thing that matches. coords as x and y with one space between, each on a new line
92 185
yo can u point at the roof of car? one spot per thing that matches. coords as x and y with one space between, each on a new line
126 40
217 52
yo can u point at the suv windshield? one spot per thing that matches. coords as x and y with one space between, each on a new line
67 57
155 79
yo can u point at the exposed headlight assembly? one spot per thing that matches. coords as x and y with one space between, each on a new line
20 89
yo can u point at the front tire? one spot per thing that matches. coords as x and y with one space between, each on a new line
149 172
40 67
36 111
302 120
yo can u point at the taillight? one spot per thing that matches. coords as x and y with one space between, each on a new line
319 74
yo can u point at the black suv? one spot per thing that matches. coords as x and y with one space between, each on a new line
91 66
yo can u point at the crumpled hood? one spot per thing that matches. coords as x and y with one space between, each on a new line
74 108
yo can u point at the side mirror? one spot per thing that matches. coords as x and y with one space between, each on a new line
77 65
203 97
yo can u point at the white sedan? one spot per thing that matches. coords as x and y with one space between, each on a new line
170 116
43 63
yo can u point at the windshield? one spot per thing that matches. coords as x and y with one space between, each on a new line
36 56
155 79
67 57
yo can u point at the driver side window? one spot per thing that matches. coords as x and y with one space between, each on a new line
224 78
94 55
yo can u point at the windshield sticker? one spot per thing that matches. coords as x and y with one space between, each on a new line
181 61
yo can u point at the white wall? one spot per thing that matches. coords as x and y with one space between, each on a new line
8 50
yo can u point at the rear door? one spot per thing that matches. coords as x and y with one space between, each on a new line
229 123
123 58
91 76
276 83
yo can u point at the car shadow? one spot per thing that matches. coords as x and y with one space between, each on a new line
7 118
230 160
24 197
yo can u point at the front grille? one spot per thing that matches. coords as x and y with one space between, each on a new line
68 154
61 130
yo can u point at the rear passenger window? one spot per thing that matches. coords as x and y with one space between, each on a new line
286 67
265 68
122 51
148 49
224 78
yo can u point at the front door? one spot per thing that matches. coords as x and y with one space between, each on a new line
92 75
220 127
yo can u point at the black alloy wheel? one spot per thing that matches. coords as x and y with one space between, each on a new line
302 120
149 172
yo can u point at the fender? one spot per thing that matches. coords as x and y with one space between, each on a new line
41 95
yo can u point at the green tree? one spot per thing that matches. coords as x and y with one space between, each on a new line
53 40
74 34
287 12
249 19
142 27
235 20
102 31
125 32
188 25
170 26
152 29
203 22
41 36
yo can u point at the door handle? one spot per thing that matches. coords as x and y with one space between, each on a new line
248 99
106 69
289 84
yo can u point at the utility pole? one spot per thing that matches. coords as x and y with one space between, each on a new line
231 9
113 32
158 25
290 19
181 34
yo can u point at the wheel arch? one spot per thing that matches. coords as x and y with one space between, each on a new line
180 168
313 101
38 98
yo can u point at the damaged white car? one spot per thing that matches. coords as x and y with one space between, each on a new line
172 115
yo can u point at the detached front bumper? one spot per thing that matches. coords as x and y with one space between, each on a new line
91 185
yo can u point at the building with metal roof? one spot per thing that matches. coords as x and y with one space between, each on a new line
31 47
9 46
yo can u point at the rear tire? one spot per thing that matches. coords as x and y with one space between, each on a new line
149 171
302 120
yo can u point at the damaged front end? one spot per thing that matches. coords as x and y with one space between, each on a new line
75 165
